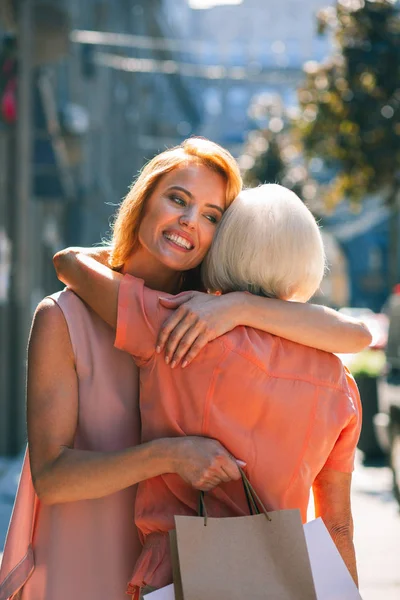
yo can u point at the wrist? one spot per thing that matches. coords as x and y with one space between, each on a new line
171 451
237 307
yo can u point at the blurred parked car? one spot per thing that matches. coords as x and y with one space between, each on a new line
387 421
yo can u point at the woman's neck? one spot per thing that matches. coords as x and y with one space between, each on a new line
155 275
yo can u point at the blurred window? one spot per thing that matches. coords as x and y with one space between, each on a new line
375 258
213 101
238 101
209 54
237 96
236 56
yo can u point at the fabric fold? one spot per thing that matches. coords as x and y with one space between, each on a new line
18 559
153 567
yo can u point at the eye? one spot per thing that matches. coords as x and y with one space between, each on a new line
212 219
177 199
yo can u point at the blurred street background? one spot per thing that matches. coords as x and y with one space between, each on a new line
306 94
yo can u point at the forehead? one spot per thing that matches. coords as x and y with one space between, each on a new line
199 180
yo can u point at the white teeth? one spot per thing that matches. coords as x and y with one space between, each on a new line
180 241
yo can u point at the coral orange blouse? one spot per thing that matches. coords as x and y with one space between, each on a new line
285 409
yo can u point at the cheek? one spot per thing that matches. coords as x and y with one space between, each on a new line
142 231
146 233
156 213
206 239
148 223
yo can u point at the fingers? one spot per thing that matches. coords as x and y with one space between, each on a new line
183 345
207 484
210 481
231 469
175 302
191 344
204 463
225 476
197 346
175 338
168 326
224 471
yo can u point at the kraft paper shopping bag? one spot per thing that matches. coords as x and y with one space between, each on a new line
262 556
331 577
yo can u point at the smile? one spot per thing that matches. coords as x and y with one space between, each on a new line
178 240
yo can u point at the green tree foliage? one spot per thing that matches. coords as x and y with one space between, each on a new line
271 154
350 115
265 165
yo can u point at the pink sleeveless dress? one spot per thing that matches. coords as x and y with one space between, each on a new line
81 550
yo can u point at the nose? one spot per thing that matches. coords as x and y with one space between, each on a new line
189 218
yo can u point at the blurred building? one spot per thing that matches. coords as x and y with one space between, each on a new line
89 91
87 95
363 237
271 41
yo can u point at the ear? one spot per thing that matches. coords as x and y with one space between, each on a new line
217 293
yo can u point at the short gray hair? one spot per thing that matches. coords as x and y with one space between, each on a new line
267 243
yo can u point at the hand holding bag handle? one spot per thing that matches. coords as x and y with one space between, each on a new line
258 556
256 506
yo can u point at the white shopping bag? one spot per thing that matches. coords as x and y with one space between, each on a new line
332 579
166 593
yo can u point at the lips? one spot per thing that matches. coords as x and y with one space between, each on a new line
181 240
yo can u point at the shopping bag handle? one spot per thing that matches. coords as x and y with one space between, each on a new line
254 502
253 497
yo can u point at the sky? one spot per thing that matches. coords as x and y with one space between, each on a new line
202 4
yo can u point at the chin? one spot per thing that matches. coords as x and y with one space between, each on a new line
177 265
180 267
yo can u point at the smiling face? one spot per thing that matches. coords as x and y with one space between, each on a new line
180 217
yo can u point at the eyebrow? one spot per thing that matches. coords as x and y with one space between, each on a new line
185 191
216 207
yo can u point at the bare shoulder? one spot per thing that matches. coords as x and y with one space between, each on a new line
52 387
49 328
48 316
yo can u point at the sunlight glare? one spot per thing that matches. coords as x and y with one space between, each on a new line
204 4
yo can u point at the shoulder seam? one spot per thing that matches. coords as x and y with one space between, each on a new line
273 375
